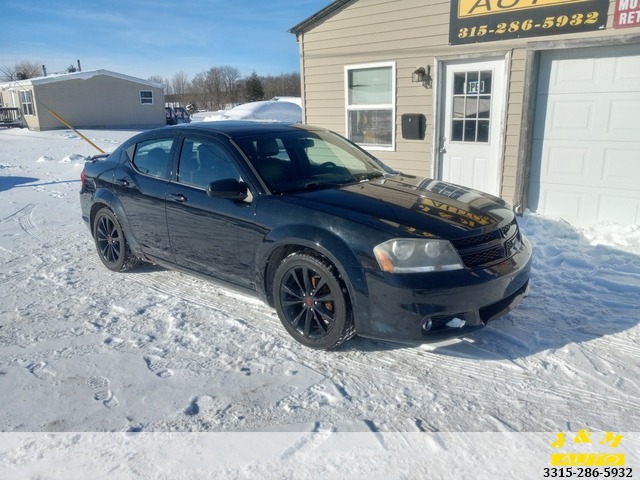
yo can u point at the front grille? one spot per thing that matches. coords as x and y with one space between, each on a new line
489 248
478 240
485 257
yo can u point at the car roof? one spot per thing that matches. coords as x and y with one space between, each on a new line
240 128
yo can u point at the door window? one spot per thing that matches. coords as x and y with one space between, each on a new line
203 162
471 113
153 157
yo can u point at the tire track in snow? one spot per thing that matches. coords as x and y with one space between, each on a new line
363 366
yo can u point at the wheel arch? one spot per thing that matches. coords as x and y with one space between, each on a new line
104 198
280 244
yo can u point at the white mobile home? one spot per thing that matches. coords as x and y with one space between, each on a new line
91 99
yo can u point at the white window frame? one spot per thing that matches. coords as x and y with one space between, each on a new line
26 102
391 106
146 98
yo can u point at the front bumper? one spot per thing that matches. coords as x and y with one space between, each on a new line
428 307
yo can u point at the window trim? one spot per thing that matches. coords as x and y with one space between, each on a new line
392 106
147 98
31 111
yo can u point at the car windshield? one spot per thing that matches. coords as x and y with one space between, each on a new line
304 160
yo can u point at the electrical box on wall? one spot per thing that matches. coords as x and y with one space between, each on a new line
414 126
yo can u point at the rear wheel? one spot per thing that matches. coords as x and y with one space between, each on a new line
312 302
111 243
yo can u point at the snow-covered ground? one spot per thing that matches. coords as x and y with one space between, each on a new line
83 349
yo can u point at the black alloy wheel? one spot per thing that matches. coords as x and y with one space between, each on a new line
312 302
111 243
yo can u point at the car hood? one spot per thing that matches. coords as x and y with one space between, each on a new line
411 205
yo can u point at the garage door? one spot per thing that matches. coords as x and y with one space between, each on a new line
586 147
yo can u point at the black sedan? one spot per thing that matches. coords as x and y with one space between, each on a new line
336 241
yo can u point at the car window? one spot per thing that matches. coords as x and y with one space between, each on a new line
320 153
289 161
152 157
203 162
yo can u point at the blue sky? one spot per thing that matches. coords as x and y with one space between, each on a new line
161 37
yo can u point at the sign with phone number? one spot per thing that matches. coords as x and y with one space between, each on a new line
474 21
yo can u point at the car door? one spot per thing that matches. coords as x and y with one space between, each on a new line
140 183
206 232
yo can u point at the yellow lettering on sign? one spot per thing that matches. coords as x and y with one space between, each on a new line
587 459
471 8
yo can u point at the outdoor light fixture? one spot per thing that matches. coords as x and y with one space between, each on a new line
422 75
418 75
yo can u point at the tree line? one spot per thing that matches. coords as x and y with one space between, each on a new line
222 87
215 89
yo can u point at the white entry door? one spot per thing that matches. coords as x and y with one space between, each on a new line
471 128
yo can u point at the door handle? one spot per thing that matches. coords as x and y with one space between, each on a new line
123 182
178 197
442 148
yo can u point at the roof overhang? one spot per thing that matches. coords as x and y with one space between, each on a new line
317 17
79 76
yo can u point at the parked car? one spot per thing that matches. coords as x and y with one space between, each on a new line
336 241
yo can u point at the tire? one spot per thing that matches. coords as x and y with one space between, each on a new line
111 242
312 302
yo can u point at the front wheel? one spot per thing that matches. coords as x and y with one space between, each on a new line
111 243
311 301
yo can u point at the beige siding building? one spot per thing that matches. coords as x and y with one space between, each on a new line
531 100
92 99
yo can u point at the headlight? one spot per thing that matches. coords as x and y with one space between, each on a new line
408 255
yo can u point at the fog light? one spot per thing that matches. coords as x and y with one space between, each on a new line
426 324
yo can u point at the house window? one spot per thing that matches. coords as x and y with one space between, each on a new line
26 99
146 97
370 105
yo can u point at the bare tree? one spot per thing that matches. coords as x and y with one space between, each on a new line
21 71
215 89
8 74
285 85
230 85
180 87
199 90
26 70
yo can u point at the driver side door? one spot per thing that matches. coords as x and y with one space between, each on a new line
205 232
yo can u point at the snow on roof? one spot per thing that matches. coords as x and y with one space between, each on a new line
86 75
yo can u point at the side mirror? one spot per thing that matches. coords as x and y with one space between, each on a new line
228 188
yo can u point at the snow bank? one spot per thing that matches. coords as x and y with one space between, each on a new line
275 111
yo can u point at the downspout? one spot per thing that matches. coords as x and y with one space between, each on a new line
302 78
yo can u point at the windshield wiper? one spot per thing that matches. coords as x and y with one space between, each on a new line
311 185
365 177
